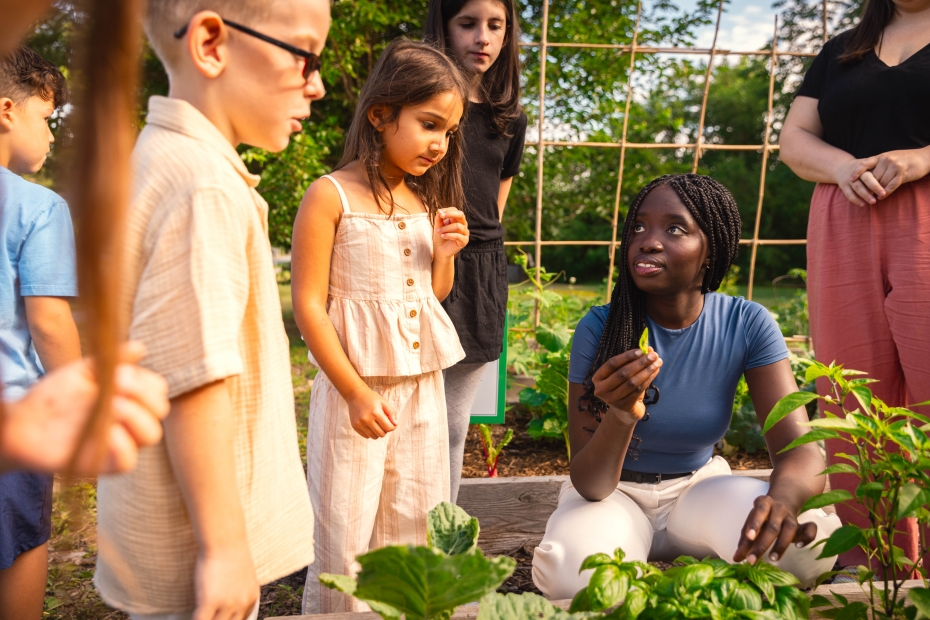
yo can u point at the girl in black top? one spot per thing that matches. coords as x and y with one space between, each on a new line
860 127
483 37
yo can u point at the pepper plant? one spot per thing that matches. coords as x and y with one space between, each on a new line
889 453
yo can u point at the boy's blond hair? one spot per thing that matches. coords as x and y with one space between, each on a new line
165 17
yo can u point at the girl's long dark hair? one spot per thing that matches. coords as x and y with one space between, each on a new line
501 83
868 32
408 73
715 211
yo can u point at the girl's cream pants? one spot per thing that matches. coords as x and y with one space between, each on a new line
698 515
370 493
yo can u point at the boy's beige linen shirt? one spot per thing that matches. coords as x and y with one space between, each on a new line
201 291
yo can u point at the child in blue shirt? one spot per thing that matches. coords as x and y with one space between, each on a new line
37 331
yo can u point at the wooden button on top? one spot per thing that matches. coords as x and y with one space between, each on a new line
407 252
416 345
413 313
402 225
409 281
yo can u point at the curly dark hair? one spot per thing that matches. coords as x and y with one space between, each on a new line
716 212
25 74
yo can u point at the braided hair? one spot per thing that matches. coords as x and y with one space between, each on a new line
715 211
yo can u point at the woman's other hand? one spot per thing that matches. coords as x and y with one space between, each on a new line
41 431
450 233
893 169
622 381
371 416
771 522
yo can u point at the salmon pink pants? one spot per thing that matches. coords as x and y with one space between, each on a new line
869 294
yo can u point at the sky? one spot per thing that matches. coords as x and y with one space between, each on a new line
745 25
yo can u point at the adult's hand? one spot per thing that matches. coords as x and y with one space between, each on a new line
893 169
41 431
858 184
771 521
622 381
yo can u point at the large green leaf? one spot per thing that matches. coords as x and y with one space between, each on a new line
761 581
827 499
524 606
426 583
839 468
785 406
841 540
348 585
451 529
864 396
554 337
607 587
841 424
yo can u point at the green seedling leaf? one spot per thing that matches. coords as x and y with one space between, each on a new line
842 424
777 576
816 434
607 588
910 498
863 395
693 578
644 341
598 559
827 499
815 371
873 490
841 540
921 599
746 597
839 468
820 601
762 582
785 406
424 583
451 529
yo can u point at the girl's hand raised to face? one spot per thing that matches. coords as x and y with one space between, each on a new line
450 233
622 381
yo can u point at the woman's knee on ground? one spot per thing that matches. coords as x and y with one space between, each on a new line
579 528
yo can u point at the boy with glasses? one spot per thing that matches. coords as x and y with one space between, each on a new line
221 505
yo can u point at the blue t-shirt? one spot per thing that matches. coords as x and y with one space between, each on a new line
38 260
702 365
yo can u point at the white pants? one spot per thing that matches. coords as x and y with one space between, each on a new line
182 616
698 515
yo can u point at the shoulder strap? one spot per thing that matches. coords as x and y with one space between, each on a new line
342 194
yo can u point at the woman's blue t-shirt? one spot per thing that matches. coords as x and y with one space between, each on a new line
702 365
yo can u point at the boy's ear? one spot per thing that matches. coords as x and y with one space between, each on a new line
6 113
206 43
379 115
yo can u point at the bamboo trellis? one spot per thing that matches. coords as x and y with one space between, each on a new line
699 147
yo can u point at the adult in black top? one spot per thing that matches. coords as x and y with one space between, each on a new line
483 37
860 127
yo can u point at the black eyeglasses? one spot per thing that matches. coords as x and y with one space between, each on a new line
311 61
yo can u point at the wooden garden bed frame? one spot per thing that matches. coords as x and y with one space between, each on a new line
513 512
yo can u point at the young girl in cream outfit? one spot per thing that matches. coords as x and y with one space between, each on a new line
373 255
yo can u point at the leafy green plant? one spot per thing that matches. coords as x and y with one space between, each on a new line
745 432
711 588
491 452
424 583
889 452
548 400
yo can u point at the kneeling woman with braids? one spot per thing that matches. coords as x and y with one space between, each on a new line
643 426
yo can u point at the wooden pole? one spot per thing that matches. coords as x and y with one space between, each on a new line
540 146
710 68
765 163
626 124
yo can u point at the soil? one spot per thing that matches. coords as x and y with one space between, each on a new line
525 456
